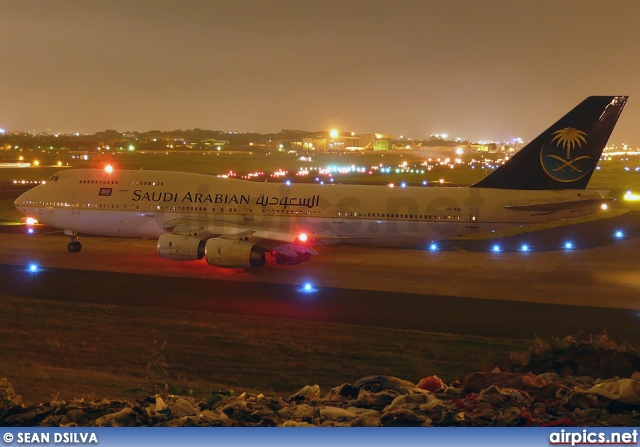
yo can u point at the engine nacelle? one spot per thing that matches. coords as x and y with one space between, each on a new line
233 253
181 248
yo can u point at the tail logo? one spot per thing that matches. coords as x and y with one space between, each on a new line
553 160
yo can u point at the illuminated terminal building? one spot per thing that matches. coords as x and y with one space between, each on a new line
344 141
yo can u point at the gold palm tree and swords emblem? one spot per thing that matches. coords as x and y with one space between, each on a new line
565 169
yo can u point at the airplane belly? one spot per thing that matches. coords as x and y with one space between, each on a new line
392 233
104 223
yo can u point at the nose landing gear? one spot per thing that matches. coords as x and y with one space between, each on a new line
75 244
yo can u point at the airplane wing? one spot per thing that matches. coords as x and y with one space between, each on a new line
555 206
282 242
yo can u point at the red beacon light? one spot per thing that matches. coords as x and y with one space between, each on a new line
302 239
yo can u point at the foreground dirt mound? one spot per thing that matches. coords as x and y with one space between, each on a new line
483 399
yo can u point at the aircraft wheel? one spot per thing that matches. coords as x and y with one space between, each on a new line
281 259
74 246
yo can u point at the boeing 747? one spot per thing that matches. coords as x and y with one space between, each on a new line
233 223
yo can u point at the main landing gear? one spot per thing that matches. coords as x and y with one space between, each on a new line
292 260
75 244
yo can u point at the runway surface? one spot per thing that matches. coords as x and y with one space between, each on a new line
508 294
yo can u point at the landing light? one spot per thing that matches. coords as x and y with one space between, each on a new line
303 237
31 221
631 196
604 207
108 169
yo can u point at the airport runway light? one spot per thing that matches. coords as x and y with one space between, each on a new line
568 245
496 248
619 234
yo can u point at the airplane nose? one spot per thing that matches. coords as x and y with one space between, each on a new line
20 201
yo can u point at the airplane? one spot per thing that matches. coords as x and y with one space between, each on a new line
233 223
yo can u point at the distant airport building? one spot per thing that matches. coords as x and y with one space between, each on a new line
345 141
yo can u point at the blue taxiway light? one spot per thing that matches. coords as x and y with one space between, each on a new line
524 247
496 248
619 234
433 247
308 288
30 231
403 185
33 268
288 182
568 245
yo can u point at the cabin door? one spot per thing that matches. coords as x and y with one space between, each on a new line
124 181
75 205
338 213
472 217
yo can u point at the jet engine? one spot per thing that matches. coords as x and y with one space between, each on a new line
181 248
233 253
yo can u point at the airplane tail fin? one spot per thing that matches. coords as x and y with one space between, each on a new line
565 155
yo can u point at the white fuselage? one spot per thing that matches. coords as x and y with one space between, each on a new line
140 203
